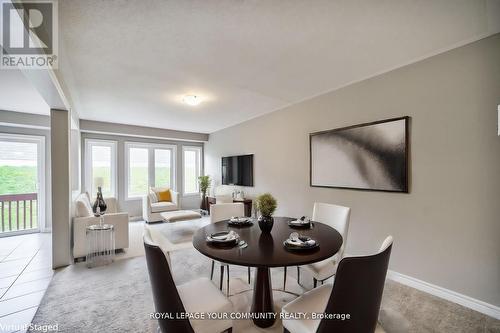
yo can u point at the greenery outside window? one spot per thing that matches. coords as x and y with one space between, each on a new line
100 167
148 165
191 166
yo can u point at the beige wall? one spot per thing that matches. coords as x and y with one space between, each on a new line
61 187
447 229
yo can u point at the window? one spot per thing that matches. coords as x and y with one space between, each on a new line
138 178
163 168
148 165
192 169
100 167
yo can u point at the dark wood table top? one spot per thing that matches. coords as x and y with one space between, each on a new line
267 250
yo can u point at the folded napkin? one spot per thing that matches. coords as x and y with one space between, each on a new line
302 220
299 242
235 219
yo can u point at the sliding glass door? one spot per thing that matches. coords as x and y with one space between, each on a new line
22 184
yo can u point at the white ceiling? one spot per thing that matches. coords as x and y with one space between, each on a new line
18 94
131 61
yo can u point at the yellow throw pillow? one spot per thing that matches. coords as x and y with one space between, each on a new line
164 196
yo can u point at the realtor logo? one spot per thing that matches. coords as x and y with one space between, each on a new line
29 35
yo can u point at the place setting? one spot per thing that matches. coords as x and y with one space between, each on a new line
302 222
297 242
226 239
243 221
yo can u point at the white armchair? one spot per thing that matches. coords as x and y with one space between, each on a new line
84 217
151 208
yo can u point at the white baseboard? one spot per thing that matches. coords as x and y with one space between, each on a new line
449 295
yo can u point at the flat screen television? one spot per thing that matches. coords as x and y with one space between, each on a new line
237 170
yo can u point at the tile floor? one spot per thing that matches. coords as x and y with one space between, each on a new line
25 273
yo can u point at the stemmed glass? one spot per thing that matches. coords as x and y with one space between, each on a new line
99 215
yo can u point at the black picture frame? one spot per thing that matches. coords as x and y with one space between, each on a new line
406 182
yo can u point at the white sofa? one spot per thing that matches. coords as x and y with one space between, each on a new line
85 217
151 208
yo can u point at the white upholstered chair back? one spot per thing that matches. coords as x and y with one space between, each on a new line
146 236
387 242
336 217
224 211
150 237
223 199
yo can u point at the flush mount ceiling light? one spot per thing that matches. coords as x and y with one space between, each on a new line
192 100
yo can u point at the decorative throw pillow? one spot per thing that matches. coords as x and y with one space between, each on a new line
83 208
152 197
155 190
164 196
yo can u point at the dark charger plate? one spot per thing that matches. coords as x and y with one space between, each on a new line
222 243
246 223
300 226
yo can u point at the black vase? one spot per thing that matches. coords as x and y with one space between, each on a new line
266 223
204 202
99 202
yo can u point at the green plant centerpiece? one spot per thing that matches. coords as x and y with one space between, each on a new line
266 204
204 183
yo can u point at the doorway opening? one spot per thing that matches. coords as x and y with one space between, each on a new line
22 184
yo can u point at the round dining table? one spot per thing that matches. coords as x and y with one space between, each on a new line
266 250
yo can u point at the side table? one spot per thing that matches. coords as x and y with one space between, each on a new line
100 244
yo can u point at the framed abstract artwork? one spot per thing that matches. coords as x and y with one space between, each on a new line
371 156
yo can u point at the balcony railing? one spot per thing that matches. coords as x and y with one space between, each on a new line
18 212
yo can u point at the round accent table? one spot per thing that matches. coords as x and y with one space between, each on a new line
266 250
100 244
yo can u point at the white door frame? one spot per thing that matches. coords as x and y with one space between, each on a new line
39 140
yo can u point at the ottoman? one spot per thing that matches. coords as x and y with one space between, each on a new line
180 215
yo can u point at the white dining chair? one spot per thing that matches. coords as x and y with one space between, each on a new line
336 217
220 212
357 291
224 211
219 199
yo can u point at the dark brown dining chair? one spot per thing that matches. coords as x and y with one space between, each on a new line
198 296
356 291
